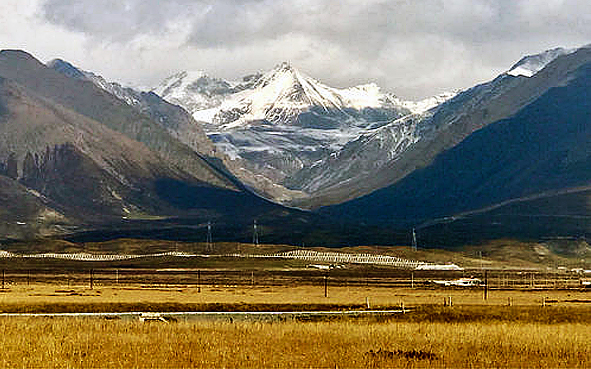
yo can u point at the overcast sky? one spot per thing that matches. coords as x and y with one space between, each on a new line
414 48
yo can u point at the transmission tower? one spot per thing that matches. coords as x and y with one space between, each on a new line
414 240
209 242
255 234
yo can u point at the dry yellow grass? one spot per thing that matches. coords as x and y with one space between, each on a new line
41 342
339 295
451 340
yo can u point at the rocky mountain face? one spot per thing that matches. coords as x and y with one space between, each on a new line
518 171
74 155
175 119
284 129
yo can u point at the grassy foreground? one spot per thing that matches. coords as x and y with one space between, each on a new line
42 342
472 333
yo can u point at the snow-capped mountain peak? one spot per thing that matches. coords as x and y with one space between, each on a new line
288 86
127 94
532 64
364 96
279 95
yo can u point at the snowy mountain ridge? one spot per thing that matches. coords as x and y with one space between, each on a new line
197 91
127 94
282 122
532 64
276 96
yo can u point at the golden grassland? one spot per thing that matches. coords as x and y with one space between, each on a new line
472 333
510 328
43 342
378 297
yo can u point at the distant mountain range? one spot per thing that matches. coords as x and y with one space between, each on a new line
282 125
507 157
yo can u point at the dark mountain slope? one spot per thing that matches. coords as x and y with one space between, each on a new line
563 215
91 101
456 119
545 147
23 213
85 169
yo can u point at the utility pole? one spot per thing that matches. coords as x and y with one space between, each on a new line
255 234
209 242
481 264
486 285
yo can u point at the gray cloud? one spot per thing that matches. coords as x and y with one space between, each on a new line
413 47
115 20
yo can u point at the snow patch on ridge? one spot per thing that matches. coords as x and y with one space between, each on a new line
532 64
419 107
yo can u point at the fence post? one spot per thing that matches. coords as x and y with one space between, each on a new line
91 278
486 284
325 286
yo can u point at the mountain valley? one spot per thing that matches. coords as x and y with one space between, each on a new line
81 155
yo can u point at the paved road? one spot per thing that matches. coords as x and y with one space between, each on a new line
208 315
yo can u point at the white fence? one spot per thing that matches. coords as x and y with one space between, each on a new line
308 255
337 257
82 256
